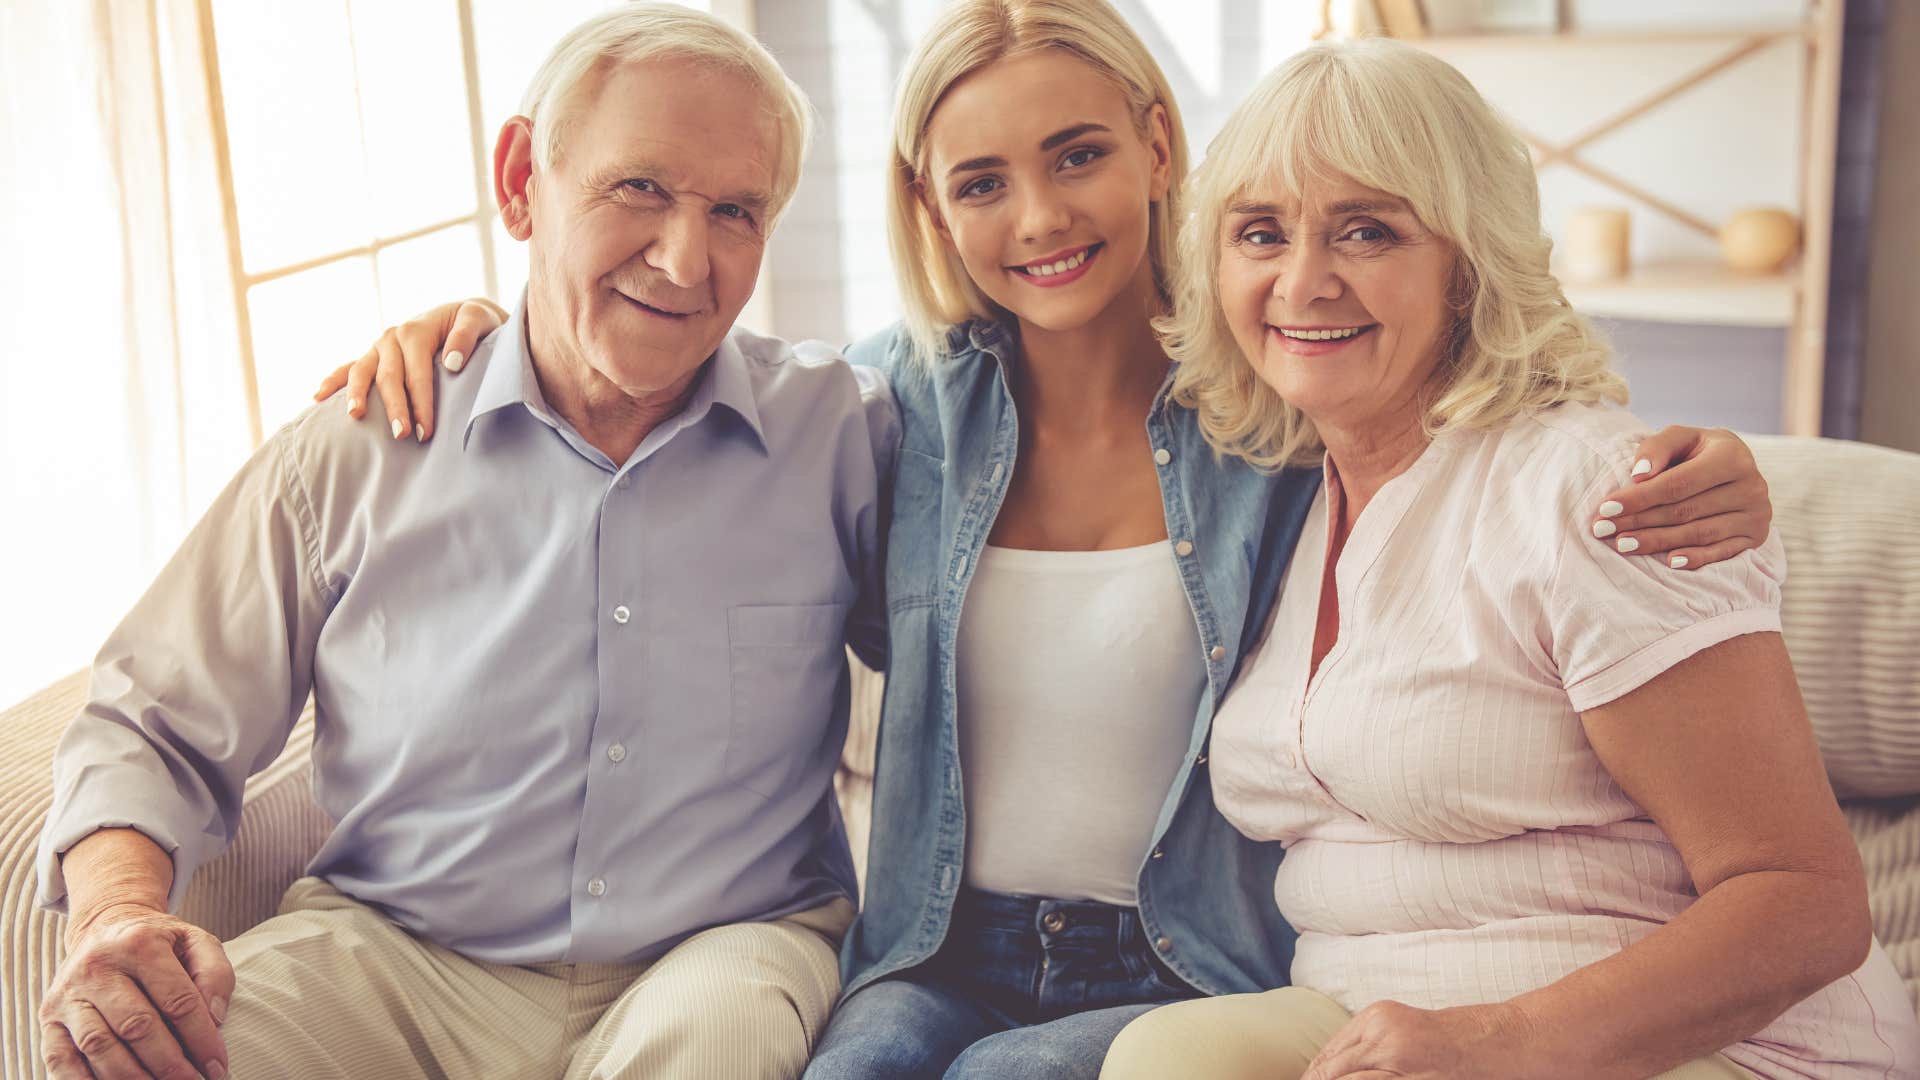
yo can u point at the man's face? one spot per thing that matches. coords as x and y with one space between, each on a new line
647 231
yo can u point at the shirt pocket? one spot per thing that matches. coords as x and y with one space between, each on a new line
916 542
787 661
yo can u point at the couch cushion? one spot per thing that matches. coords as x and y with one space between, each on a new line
1849 514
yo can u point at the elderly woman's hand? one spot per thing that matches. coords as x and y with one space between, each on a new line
1391 1041
1696 498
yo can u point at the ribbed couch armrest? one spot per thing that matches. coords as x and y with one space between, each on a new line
280 829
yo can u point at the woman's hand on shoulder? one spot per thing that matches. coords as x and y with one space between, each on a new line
401 363
1696 498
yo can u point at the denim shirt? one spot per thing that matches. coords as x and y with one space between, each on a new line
1205 891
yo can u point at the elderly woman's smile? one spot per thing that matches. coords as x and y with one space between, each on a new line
1340 295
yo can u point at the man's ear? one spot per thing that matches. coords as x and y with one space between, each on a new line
513 176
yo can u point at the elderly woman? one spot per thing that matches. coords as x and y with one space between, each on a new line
1547 813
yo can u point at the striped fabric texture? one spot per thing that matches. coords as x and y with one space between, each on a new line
1849 515
280 830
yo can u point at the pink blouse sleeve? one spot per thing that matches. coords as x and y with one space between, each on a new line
1617 621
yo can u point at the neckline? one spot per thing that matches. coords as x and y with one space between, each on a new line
1102 559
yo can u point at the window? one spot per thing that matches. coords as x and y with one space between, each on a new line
358 155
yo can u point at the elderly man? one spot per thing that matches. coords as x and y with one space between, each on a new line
578 670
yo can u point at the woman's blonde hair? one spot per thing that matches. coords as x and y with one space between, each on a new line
968 35
1398 120
637 32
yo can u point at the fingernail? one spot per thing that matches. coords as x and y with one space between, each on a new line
353 404
1678 562
1626 544
419 433
1642 467
399 429
1610 508
219 1008
1604 529
214 1071
455 361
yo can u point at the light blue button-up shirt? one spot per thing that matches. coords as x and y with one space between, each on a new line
568 709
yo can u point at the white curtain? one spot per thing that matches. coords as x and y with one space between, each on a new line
123 406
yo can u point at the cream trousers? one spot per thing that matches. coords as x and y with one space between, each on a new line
330 988
1270 1036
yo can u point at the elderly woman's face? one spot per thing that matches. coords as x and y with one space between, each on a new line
1337 297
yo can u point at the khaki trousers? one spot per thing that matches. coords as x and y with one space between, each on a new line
330 988
1270 1036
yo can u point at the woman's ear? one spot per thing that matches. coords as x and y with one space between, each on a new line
931 205
1160 144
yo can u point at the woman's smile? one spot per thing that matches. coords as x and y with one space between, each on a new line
1318 340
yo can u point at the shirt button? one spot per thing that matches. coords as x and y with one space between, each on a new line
621 614
1218 652
624 482
596 887
1161 456
616 753
1053 922
1183 549
1163 943
1286 758
1201 760
1159 853
999 470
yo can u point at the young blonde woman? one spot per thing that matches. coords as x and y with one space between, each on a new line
1072 575
1608 848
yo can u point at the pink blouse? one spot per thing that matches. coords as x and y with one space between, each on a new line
1451 837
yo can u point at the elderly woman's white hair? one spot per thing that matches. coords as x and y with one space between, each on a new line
636 32
1398 120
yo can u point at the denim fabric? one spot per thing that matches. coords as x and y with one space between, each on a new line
1205 891
1022 987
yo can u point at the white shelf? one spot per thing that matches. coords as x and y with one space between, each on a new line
1689 292
1608 36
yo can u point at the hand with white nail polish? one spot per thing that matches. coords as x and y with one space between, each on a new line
402 363
1692 496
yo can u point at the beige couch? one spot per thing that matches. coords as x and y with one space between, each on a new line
1849 514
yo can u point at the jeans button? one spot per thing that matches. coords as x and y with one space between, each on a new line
1053 922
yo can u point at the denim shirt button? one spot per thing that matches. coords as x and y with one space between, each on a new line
1053 922
1183 549
1218 652
1163 943
1159 853
1162 457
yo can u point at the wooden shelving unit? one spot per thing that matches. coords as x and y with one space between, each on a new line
1691 292
1701 291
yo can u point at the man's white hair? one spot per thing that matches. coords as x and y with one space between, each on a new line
636 32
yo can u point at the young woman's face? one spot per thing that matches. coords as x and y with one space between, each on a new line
1337 297
1041 181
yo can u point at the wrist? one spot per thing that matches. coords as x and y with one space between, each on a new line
84 920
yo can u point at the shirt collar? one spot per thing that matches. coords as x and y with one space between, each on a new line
509 380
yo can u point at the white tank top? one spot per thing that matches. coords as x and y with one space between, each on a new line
1078 676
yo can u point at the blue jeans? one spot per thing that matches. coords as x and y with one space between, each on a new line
1021 988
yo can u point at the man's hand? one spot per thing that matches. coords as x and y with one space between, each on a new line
141 993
